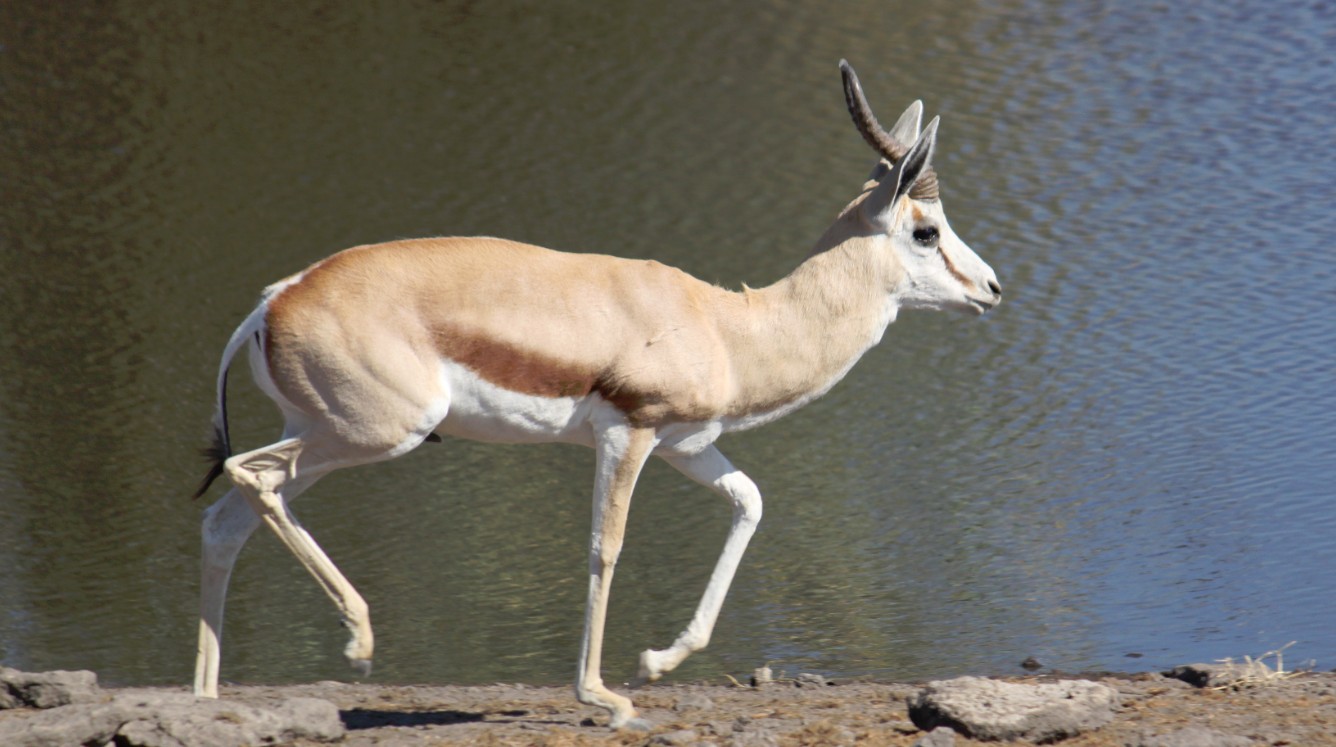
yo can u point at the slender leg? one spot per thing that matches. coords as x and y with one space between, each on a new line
712 469
227 525
621 453
264 477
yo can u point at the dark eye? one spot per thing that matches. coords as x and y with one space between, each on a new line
926 236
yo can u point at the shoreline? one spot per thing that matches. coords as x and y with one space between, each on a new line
1150 709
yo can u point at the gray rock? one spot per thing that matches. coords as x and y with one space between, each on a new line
680 737
754 737
809 679
46 689
942 736
1195 737
990 710
835 734
154 719
65 725
693 702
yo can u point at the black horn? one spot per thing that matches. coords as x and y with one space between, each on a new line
865 121
925 187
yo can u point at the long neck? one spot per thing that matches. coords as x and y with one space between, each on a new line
797 338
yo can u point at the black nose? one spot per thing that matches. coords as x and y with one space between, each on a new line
995 288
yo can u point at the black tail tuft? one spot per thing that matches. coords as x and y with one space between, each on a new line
217 453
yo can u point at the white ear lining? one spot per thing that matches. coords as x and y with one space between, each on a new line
906 128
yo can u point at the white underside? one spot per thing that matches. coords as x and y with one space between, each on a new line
478 410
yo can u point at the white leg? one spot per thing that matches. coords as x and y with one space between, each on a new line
265 477
227 525
712 469
621 453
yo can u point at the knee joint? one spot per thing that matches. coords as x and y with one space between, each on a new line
238 473
586 689
746 500
264 471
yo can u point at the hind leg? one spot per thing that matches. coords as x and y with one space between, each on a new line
267 478
227 525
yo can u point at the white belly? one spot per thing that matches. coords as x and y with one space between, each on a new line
483 411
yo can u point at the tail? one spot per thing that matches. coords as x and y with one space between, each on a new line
218 451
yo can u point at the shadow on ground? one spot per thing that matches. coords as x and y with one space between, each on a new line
357 719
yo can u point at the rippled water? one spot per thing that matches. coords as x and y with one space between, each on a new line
1133 455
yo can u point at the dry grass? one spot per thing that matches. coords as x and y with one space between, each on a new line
1256 672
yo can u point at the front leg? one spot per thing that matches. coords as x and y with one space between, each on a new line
621 453
712 469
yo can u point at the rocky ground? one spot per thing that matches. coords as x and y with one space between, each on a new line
1194 707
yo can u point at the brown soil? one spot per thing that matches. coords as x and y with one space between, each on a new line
1296 711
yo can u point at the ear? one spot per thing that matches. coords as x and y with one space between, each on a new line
917 160
906 128
902 177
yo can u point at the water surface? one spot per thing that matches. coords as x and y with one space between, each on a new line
1134 455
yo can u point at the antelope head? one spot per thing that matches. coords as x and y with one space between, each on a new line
902 210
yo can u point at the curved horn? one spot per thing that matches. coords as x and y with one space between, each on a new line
891 147
864 120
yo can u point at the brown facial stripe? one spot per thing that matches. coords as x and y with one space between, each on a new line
951 268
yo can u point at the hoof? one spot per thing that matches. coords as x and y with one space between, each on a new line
648 671
361 666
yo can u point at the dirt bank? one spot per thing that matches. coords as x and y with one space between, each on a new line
1156 710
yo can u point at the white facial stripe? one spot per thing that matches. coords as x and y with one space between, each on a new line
950 275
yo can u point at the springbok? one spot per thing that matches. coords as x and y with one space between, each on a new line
378 348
